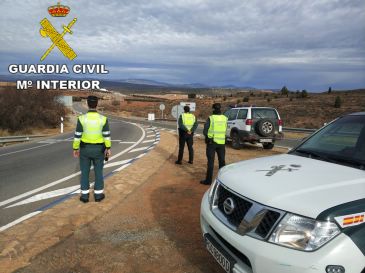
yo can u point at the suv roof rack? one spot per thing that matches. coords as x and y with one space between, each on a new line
241 105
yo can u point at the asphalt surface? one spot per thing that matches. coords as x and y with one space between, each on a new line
35 175
287 143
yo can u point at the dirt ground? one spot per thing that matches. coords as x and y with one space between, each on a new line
154 229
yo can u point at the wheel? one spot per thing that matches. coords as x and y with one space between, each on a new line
268 146
265 127
235 141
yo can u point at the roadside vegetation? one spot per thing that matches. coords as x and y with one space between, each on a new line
25 112
299 108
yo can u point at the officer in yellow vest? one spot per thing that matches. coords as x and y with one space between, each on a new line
187 127
92 144
215 137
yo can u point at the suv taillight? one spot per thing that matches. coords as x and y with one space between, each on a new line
249 122
280 122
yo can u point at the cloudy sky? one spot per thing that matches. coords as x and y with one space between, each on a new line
260 43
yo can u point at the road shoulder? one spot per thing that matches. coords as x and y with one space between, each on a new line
21 243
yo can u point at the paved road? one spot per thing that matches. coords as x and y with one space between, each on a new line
287 143
35 175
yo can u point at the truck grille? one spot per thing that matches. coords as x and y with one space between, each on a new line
242 206
267 223
248 217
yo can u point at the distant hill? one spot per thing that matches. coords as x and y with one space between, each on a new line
132 85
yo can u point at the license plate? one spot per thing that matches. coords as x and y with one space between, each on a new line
265 140
225 260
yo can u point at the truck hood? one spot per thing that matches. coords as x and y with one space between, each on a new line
295 184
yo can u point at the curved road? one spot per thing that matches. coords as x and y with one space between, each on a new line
37 175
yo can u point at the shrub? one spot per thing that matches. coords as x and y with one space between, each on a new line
304 94
24 110
338 102
268 99
238 101
116 103
284 91
192 96
246 99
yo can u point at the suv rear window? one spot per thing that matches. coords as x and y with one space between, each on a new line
231 114
242 114
264 113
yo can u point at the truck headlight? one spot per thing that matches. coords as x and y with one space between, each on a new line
303 233
212 191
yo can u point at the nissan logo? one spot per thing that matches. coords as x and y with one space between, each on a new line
229 206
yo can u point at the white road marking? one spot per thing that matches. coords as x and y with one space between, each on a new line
24 150
15 198
148 141
121 168
127 142
139 149
141 155
53 141
50 141
46 195
19 220
134 145
117 163
25 217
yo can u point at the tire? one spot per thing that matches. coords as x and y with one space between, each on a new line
265 128
268 146
235 141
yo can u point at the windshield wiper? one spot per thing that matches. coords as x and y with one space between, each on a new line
316 155
353 162
313 154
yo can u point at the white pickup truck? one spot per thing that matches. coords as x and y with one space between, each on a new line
301 212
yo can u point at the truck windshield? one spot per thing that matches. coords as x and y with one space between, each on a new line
341 142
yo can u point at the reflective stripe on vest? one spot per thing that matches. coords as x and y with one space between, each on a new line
92 124
217 128
188 120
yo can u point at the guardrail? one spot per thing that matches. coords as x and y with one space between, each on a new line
299 130
10 139
286 129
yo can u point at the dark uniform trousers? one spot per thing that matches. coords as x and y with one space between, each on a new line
213 148
188 139
92 153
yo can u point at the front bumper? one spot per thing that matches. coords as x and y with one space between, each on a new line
258 256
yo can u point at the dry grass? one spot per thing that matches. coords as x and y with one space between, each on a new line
311 112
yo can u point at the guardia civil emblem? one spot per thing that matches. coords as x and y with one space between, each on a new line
57 38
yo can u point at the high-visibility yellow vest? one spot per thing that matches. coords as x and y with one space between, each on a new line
217 128
188 120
